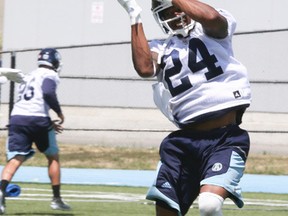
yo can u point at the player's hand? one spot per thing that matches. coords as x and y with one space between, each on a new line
57 126
61 116
12 74
133 9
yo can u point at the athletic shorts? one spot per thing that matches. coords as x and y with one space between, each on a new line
21 138
191 159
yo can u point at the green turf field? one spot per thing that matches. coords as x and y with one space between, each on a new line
125 201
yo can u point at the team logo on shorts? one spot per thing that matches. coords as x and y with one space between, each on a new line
217 167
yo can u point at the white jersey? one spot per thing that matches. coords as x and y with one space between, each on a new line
200 76
30 95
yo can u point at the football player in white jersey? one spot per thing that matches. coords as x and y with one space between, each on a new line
204 91
30 123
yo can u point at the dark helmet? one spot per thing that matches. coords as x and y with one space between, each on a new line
50 57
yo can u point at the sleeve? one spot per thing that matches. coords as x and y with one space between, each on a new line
156 46
231 21
161 97
49 94
159 47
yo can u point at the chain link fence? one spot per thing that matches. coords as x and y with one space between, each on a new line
106 103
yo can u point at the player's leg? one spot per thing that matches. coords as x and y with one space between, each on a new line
177 181
47 144
54 172
163 193
18 150
162 211
211 199
223 171
54 169
11 167
7 174
45 141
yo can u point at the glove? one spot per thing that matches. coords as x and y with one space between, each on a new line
3 80
133 9
14 75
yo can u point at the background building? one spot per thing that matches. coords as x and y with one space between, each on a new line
93 38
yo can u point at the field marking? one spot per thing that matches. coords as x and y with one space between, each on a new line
79 196
96 196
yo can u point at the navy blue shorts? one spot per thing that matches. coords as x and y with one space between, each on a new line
21 138
190 159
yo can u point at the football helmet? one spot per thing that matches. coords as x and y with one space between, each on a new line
160 10
50 57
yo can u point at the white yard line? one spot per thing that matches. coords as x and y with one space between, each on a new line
95 196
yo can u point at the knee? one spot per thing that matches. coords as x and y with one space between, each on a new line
210 204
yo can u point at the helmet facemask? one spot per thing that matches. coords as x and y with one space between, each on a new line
167 23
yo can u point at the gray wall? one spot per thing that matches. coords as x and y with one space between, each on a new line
42 23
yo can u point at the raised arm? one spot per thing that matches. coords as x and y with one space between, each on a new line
141 54
214 24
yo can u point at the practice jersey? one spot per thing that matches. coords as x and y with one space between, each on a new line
30 103
199 76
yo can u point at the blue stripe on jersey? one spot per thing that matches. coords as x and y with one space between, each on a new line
49 94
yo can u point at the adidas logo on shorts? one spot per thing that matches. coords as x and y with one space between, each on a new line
166 185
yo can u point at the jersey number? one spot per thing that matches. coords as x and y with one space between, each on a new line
26 91
208 61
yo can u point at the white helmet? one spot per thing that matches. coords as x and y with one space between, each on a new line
158 10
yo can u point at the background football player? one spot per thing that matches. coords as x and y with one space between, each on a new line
30 123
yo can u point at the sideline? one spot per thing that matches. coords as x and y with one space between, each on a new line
139 178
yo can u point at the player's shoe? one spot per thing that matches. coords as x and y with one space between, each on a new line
2 203
58 204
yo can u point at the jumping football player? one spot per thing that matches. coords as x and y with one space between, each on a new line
203 90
